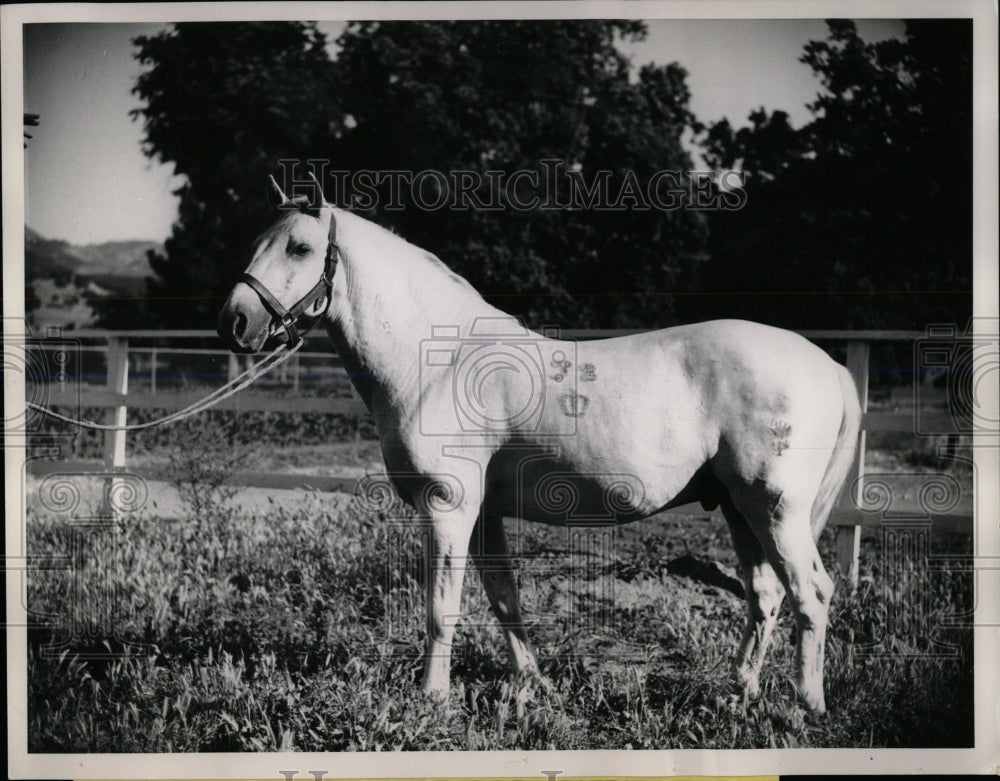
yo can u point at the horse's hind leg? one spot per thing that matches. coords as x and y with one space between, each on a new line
764 594
492 557
810 590
785 534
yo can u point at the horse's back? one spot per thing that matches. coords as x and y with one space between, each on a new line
721 371
754 342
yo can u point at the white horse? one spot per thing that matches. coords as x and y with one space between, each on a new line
476 414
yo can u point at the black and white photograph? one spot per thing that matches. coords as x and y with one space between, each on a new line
514 390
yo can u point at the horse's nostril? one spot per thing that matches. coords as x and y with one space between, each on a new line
239 325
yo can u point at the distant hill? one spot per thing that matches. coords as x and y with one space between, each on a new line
49 258
121 258
119 267
59 274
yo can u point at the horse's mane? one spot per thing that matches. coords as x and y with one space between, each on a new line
434 260
408 258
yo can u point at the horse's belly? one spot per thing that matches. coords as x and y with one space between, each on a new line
535 486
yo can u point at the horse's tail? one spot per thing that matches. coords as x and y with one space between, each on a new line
842 456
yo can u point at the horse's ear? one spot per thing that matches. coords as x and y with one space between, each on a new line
283 199
318 200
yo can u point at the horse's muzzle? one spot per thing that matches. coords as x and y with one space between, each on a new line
243 324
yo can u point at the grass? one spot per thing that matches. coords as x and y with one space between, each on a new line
300 627
296 630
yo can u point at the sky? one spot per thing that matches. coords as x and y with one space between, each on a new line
86 178
738 65
88 181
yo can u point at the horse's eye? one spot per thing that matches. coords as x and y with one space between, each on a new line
301 250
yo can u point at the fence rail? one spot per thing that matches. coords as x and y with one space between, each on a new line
117 399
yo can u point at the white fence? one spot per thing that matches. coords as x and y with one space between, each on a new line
117 400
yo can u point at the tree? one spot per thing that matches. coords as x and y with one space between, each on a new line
226 103
872 196
222 102
767 148
505 96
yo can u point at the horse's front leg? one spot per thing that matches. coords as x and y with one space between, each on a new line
448 551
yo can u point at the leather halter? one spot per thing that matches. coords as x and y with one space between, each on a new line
286 318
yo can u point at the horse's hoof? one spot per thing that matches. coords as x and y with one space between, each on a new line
816 709
813 702
528 684
435 700
746 686
436 691
535 677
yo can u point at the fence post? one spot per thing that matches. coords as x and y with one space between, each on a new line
114 441
152 372
234 367
849 537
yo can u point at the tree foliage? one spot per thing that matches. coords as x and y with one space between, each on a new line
865 211
504 96
221 102
862 217
226 103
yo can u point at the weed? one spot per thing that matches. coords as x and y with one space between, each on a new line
202 463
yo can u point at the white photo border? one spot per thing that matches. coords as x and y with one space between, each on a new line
984 758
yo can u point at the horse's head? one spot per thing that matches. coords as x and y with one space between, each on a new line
289 281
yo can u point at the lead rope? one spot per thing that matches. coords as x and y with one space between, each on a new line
278 356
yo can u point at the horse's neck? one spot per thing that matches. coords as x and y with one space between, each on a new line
388 296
